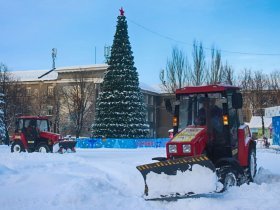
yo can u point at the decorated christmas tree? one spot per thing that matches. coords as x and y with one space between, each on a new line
120 108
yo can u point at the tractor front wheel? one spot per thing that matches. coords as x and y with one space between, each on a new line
228 177
252 164
17 147
43 148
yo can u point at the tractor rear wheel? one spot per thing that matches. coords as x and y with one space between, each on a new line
252 164
228 177
17 147
43 148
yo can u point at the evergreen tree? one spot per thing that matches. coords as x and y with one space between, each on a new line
3 130
120 108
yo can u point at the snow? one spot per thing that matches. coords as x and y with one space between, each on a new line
206 178
256 122
107 179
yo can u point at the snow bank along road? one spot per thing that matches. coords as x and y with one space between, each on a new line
107 179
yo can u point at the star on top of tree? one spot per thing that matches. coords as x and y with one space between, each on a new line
122 11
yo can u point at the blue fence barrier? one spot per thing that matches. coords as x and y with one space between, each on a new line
276 130
120 143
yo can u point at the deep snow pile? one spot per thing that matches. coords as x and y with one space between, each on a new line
206 178
107 179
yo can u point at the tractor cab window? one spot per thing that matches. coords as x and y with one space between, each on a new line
26 123
188 109
19 125
43 125
197 109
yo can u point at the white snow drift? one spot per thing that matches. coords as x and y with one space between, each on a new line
107 179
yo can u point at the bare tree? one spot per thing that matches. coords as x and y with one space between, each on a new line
56 108
78 97
215 73
176 72
245 79
274 87
260 92
227 74
14 97
199 71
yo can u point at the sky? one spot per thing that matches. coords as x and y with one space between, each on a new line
246 32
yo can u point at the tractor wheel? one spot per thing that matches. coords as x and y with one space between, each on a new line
17 147
43 148
228 177
252 164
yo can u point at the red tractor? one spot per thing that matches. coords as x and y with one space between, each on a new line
208 131
33 134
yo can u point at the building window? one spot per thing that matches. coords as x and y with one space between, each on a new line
50 110
146 98
28 91
151 100
50 91
151 116
36 92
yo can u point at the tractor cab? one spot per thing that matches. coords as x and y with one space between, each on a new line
214 110
41 123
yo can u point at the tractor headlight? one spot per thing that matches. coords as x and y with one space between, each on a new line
186 148
172 148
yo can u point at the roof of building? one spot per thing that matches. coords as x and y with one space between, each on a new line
82 68
32 75
256 122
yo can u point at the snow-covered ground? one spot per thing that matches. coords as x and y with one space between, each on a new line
107 179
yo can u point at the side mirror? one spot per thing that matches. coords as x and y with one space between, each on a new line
237 101
168 105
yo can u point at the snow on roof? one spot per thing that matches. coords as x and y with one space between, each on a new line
82 67
256 122
32 75
272 111
146 87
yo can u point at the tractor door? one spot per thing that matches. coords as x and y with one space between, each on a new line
30 133
234 123
219 145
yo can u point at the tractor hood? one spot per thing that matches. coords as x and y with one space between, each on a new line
54 137
190 141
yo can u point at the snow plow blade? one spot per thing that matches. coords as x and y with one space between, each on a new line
67 145
178 177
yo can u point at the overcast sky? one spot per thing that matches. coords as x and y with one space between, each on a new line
31 28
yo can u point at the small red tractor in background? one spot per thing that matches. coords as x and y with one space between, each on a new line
32 134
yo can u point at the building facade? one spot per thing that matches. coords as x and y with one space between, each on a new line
54 94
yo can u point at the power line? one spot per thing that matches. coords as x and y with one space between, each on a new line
206 48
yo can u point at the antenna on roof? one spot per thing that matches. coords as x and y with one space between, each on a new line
107 53
54 52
